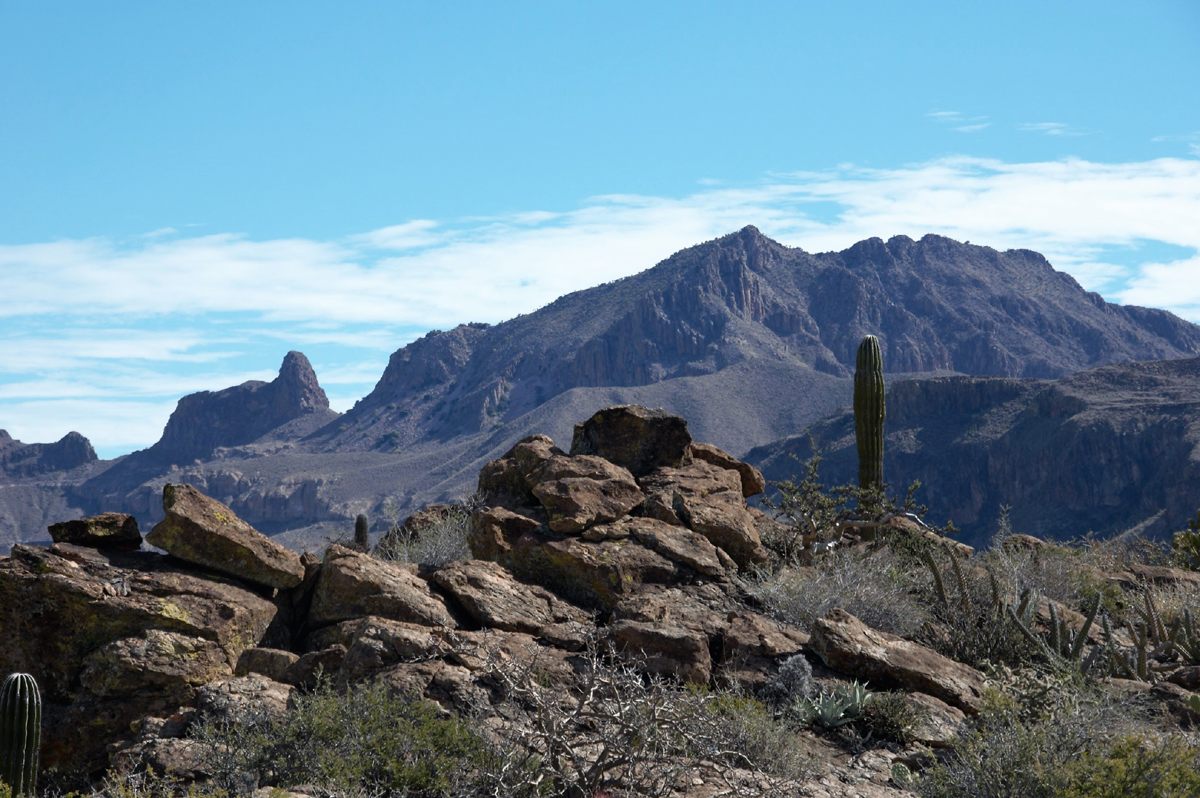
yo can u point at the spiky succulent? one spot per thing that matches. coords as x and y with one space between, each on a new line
869 412
20 733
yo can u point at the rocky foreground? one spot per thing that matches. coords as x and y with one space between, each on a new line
637 536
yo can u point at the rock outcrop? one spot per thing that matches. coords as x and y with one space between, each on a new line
117 530
204 531
19 460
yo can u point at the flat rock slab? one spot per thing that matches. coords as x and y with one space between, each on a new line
202 530
117 530
495 600
675 543
354 585
634 437
579 492
850 646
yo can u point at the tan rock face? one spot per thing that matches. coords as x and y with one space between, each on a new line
676 543
495 600
634 437
107 529
493 529
269 662
666 650
708 500
233 698
578 492
849 646
591 574
505 481
203 531
355 585
753 482
380 643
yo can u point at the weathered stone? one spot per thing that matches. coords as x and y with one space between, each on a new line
354 585
752 647
236 698
56 611
673 542
505 481
708 500
1187 677
634 437
578 492
167 663
310 667
667 650
753 482
380 643
450 686
203 531
849 646
107 529
588 574
493 530
270 662
940 722
495 600
704 608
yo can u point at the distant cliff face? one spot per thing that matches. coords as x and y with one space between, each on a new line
1103 450
204 421
935 304
18 460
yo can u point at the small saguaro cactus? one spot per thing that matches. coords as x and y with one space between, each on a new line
362 533
869 412
20 733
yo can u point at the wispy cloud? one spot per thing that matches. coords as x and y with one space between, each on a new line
959 122
95 328
1050 128
1192 140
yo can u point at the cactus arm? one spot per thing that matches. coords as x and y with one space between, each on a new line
962 582
937 576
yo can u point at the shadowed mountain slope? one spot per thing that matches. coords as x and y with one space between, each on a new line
1104 450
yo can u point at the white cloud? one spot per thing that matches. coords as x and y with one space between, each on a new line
207 311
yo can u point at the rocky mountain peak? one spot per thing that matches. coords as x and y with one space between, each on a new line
34 459
205 421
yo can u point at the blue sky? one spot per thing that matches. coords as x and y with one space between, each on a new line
187 191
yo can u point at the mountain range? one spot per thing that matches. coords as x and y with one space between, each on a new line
748 339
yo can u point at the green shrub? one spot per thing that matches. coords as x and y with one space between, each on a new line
892 716
1135 766
367 739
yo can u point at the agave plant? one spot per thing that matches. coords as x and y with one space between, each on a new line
838 707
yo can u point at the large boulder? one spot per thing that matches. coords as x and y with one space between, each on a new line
850 646
578 492
493 530
495 600
676 543
354 585
634 437
117 530
202 530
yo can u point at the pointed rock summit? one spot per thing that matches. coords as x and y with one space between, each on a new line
235 416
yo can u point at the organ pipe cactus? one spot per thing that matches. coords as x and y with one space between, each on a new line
869 412
20 733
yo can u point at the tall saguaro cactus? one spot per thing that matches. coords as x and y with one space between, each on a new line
362 533
869 412
20 733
